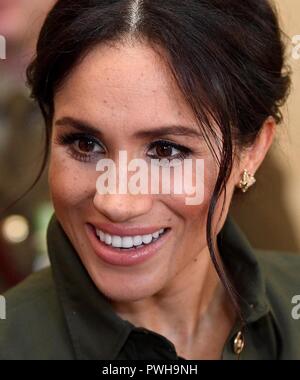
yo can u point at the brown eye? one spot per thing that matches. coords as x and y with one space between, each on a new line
81 147
86 146
164 151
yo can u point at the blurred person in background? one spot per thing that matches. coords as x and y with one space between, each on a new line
21 136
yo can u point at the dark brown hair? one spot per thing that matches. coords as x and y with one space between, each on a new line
227 57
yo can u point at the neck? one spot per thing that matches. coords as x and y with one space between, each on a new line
192 302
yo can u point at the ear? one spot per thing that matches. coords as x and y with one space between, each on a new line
254 155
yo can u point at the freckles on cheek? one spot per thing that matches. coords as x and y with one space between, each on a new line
69 184
190 213
195 211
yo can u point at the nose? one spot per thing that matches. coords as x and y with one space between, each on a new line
119 204
120 208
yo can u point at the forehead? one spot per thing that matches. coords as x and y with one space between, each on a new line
129 84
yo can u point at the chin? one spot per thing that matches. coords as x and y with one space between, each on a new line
126 291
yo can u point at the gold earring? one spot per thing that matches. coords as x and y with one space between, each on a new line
247 181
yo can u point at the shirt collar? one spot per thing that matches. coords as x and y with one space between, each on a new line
97 331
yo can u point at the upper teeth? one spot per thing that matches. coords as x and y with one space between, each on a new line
127 241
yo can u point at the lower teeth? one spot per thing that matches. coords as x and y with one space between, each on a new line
134 247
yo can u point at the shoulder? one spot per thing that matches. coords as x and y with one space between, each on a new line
30 290
34 327
281 273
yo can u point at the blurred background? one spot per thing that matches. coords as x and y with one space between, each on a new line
269 214
22 228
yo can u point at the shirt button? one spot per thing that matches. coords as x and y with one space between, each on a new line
239 343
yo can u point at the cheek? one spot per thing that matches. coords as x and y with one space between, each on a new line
71 182
195 217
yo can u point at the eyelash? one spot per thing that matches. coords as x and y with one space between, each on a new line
184 151
70 140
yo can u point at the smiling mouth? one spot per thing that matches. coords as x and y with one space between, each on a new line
129 243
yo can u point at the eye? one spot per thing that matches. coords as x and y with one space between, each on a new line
168 150
87 146
82 147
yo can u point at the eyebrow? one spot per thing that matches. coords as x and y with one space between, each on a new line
177 130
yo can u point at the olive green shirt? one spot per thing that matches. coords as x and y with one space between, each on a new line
59 313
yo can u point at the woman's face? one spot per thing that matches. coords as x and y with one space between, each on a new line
127 96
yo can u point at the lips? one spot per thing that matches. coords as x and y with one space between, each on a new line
117 255
119 230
